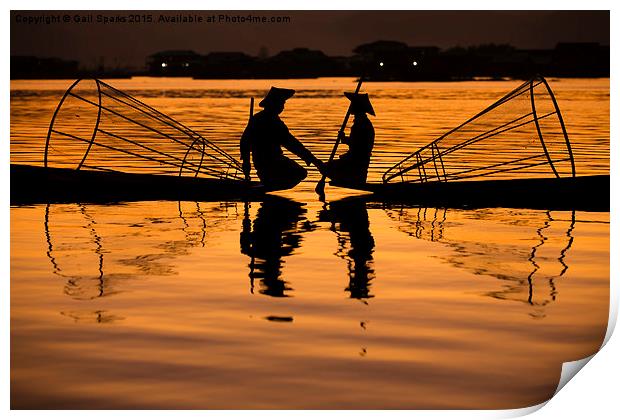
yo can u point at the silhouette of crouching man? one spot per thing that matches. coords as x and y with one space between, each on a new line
264 137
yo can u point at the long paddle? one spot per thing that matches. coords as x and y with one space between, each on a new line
320 186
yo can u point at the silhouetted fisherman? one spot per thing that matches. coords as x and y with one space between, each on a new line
351 168
264 137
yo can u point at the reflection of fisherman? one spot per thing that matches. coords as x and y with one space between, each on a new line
349 216
351 168
274 235
264 137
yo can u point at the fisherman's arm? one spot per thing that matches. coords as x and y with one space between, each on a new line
295 146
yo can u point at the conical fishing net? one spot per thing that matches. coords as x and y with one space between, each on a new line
98 127
522 135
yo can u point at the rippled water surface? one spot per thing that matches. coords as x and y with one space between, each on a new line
293 303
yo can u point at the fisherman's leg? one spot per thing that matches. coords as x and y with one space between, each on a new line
337 171
345 171
282 175
288 179
297 175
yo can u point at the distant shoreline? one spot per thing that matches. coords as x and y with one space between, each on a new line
381 60
366 80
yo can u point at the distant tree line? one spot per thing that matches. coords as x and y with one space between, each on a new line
380 60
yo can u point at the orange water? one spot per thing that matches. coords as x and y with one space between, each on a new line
292 304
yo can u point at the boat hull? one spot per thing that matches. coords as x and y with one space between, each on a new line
589 193
34 184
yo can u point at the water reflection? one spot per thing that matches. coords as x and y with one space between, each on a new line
538 263
278 230
525 249
98 248
275 232
348 220
275 318
189 233
80 284
92 317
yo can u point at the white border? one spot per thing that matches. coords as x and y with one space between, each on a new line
592 394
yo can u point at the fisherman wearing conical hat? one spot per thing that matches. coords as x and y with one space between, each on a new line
351 168
264 137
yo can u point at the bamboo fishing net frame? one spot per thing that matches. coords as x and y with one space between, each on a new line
525 112
128 136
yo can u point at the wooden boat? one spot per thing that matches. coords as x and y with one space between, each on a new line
514 153
587 193
36 184
104 145
33 184
496 158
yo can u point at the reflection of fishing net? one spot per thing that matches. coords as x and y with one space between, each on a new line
520 135
99 127
97 252
528 257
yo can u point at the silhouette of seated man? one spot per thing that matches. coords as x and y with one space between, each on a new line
351 168
264 137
